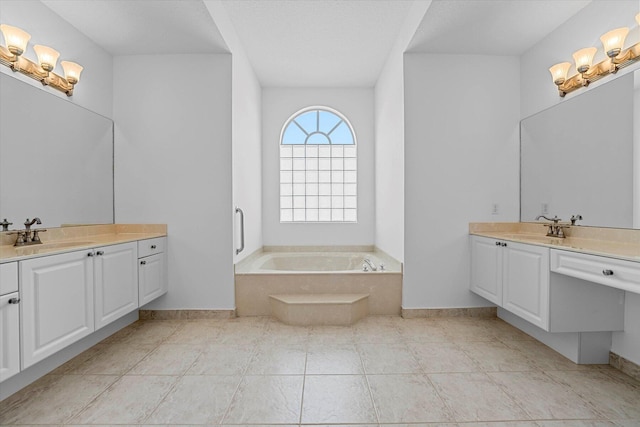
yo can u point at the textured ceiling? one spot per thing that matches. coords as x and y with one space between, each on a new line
317 43
135 27
490 27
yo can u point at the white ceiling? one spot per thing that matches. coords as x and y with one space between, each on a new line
490 27
316 43
134 27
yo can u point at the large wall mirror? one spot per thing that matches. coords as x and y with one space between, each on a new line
56 159
582 156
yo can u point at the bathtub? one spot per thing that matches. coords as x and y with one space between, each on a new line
301 271
315 262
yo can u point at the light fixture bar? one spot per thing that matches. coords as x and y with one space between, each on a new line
600 70
42 71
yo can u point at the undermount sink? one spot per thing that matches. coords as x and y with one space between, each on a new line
58 245
534 238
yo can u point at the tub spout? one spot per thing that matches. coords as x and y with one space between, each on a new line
372 265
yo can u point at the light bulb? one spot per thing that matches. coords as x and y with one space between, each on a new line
559 72
71 71
15 39
47 57
584 58
613 41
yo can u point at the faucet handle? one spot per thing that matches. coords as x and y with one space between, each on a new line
5 224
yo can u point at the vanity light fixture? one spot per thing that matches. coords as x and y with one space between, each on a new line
616 57
11 55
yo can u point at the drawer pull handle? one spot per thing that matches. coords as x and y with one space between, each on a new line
90 254
143 262
504 245
153 246
497 243
100 253
607 272
14 301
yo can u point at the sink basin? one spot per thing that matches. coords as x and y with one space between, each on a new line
534 238
58 245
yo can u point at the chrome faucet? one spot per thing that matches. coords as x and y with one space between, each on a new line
372 265
575 218
555 229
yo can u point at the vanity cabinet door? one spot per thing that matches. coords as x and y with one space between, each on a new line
116 282
486 268
56 303
152 278
9 335
525 275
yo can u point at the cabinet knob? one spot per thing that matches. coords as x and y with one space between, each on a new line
504 244
100 253
14 301
90 254
607 272
153 246
143 262
497 243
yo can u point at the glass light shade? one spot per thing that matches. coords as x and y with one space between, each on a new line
584 59
559 72
15 39
613 41
71 71
47 57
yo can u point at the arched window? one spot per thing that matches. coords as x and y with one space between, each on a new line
318 167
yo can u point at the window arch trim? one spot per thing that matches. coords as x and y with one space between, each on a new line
294 116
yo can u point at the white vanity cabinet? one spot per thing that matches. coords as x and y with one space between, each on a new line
486 268
9 321
152 273
115 282
56 303
512 275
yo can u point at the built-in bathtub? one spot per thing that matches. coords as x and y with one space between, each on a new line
307 271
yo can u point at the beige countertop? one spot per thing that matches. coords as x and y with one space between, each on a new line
72 239
597 241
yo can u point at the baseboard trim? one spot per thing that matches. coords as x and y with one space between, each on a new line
477 312
186 314
628 367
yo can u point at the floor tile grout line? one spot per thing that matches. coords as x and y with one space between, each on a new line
304 382
373 401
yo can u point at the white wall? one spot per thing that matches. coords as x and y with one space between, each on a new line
538 92
247 153
389 140
278 104
47 28
246 111
173 165
461 156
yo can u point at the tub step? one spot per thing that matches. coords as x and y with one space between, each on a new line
319 309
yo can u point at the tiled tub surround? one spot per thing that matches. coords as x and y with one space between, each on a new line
317 270
68 239
383 371
574 256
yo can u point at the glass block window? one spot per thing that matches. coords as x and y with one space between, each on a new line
318 168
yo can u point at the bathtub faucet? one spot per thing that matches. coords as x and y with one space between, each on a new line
372 265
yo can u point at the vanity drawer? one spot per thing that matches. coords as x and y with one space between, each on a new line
8 278
612 272
151 246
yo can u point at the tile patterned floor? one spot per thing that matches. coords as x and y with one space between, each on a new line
383 371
